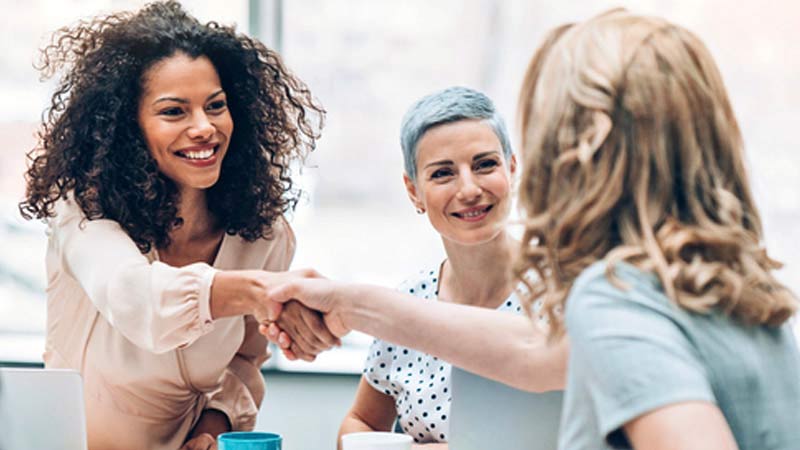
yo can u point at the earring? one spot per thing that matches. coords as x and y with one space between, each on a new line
420 210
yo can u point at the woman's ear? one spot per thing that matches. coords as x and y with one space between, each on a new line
411 190
512 164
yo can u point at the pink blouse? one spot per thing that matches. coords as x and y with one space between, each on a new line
141 334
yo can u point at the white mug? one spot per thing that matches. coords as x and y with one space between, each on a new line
376 440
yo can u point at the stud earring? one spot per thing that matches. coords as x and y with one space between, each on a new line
420 210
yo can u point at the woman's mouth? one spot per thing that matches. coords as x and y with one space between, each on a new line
198 154
473 214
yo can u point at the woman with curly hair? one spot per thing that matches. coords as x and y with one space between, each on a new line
163 174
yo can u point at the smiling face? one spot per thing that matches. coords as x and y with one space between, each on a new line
184 117
463 181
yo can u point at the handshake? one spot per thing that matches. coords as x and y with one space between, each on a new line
299 311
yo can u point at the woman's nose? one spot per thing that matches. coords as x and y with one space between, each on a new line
201 127
469 189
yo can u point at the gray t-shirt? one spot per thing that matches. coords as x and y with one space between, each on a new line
633 351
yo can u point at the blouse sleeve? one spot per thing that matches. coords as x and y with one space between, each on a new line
378 367
242 390
155 306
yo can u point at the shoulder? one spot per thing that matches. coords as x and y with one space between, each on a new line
282 234
69 218
65 209
603 296
421 284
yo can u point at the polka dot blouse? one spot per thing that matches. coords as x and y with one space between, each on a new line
418 382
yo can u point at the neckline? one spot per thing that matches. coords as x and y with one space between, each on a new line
511 296
157 256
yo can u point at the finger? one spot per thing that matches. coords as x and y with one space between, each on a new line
208 442
304 355
284 341
269 330
202 442
300 340
316 324
302 333
296 329
273 310
273 332
292 349
289 354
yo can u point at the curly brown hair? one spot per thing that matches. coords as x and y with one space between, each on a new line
632 154
91 146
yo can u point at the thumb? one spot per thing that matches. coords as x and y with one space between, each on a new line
335 325
282 293
274 310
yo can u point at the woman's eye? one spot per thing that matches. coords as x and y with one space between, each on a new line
217 105
172 112
486 164
441 173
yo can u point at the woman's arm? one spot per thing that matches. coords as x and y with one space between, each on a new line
154 305
371 411
687 426
211 422
502 346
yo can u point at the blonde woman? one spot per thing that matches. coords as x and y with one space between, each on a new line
644 232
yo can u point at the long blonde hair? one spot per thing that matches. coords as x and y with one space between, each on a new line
632 153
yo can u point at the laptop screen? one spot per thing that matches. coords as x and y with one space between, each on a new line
41 409
485 414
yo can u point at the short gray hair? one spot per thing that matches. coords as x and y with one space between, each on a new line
447 106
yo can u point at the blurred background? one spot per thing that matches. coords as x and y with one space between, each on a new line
367 61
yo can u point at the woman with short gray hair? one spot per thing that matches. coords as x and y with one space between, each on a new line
458 171
459 174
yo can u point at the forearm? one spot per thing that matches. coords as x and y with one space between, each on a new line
501 346
352 424
235 293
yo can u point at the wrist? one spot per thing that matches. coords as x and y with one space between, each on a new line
350 302
234 293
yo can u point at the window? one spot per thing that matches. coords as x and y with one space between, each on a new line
367 61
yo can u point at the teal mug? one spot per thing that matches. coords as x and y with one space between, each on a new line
249 440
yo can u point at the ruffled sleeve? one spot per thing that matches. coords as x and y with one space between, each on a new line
242 389
155 306
378 367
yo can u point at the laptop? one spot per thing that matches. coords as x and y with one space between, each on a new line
41 409
485 414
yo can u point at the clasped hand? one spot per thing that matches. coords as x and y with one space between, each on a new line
305 324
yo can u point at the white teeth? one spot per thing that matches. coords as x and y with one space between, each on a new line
475 213
202 154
